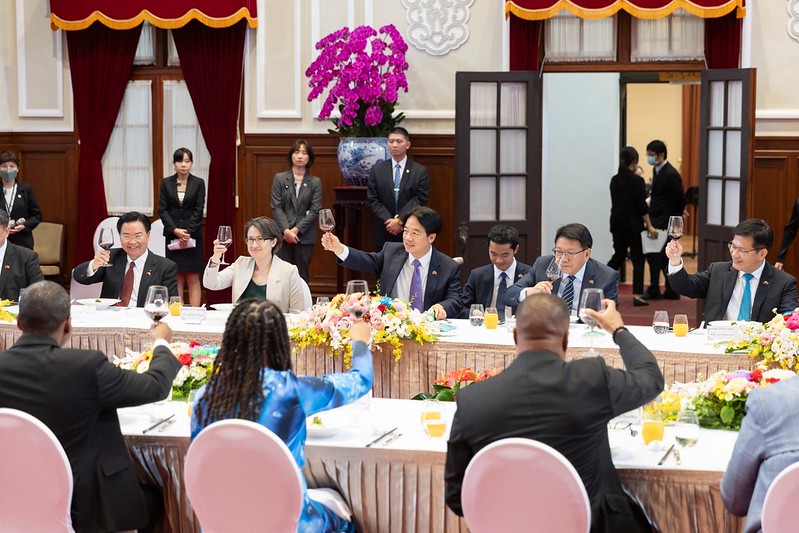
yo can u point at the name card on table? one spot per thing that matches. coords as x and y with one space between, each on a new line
192 315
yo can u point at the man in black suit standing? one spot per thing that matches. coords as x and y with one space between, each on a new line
20 266
578 271
131 269
487 284
667 199
413 270
566 405
396 187
76 393
746 288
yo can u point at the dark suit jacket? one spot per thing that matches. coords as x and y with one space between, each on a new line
20 269
480 286
290 210
668 196
76 393
777 289
597 276
188 216
25 206
413 193
157 271
443 276
789 233
566 406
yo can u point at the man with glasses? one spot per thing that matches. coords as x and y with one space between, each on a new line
746 288
127 272
578 271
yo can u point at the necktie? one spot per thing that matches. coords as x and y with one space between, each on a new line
127 286
568 292
746 299
503 284
397 180
415 296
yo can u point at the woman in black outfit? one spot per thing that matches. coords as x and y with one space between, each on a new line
629 216
19 202
180 208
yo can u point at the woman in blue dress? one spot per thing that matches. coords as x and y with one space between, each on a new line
253 380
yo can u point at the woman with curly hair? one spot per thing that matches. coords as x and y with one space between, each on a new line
253 380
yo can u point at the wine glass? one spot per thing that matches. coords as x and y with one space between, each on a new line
105 240
156 306
357 301
326 220
553 270
686 428
676 228
476 315
591 299
660 322
225 238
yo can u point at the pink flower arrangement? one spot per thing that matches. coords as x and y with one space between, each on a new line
363 70
776 341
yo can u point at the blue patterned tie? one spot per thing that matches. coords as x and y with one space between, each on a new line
503 284
415 295
568 292
397 180
746 299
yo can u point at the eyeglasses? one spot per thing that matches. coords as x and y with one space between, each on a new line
134 237
620 426
734 249
570 255
256 240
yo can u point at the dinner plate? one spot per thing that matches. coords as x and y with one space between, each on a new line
98 303
324 431
223 307
133 419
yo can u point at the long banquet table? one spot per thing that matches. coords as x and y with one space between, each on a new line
400 487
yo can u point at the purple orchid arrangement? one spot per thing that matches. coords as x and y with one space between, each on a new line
362 71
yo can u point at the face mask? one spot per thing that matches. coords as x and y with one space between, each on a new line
651 159
8 175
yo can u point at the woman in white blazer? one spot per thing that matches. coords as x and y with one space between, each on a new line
261 275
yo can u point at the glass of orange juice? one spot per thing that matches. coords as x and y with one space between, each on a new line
433 421
491 318
190 402
680 325
175 304
652 427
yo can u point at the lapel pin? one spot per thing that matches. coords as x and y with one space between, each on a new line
149 273
519 276
765 282
7 267
435 273
590 282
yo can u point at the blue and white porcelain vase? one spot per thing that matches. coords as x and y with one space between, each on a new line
357 156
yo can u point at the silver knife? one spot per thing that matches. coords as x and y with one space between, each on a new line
391 439
170 417
381 437
666 455
167 424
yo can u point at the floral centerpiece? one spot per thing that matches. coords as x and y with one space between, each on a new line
445 388
362 71
392 320
197 361
776 341
5 314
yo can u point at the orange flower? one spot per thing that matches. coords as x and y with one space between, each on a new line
485 374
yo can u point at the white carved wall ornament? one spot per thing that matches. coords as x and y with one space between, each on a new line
437 26
793 21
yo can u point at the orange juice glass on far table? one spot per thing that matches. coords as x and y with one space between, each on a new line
491 318
175 305
652 428
680 325
433 421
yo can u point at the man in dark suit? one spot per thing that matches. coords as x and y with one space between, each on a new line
746 288
413 270
20 203
20 266
132 269
667 199
487 284
566 405
75 393
396 187
578 271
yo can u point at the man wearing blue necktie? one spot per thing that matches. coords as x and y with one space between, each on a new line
396 187
746 288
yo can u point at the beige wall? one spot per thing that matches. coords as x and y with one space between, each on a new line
654 111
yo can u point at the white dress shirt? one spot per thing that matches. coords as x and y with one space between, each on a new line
402 288
138 270
731 313
511 273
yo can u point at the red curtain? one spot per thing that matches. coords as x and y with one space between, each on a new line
211 60
723 42
645 9
101 61
525 43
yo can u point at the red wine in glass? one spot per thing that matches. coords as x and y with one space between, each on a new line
105 240
225 238
156 306
326 220
676 227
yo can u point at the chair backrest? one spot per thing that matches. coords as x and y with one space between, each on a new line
780 512
513 483
157 240
241 477
48 243
78 291
110 222
36 488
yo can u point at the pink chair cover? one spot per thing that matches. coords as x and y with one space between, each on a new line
523 485
780 512
35 476
241 477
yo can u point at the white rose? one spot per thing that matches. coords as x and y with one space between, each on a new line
183 373
143 367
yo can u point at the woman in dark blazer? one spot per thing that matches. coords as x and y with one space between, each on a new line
180 208
296 200
18 202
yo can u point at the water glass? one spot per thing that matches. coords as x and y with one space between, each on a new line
476 315
510 321
686 429
322 300
660 322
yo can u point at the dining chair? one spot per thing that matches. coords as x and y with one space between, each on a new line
780 512
241 477
35 479
48 243
157 243
513 484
